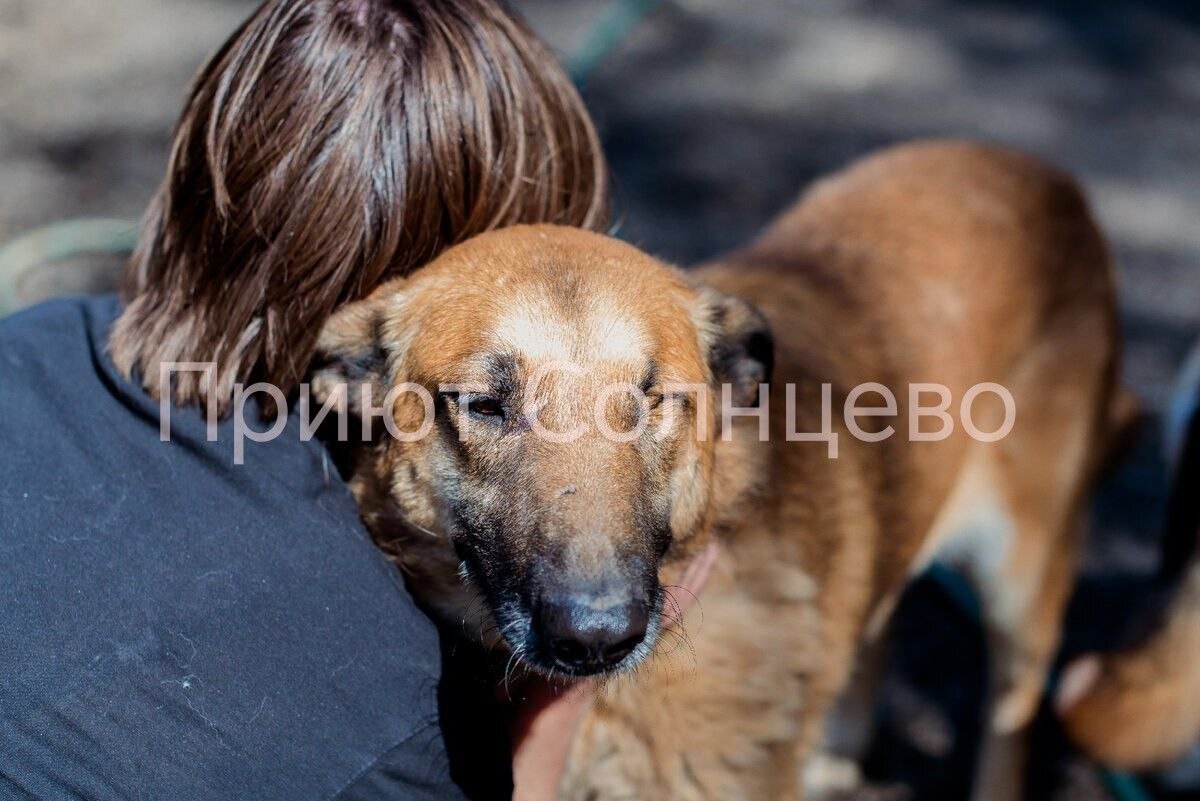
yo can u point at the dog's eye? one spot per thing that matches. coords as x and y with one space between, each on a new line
650 389
485 407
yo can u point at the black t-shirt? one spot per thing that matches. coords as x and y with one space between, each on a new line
173 626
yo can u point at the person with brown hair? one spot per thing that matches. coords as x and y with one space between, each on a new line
178 626
328 146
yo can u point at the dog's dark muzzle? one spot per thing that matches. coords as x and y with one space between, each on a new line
585 631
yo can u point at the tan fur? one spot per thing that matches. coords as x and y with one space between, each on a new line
934 262
1140 709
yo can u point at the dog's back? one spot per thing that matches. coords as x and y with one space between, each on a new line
935 263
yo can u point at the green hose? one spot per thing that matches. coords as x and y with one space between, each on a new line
56 242
610 30
1121 786
1124 787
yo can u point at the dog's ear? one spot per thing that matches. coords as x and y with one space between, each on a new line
351 361
741 348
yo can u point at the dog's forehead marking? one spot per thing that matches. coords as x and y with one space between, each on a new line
596 330
531 327
611 332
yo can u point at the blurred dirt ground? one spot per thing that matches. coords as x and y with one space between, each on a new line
715 114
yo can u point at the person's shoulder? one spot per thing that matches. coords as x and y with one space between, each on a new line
49 350
50 327
56 313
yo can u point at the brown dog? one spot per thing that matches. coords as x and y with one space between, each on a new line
511 507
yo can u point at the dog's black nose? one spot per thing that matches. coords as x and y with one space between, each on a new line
584 635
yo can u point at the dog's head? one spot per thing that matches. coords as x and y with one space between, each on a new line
549 432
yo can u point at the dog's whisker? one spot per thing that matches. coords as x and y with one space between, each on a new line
695 598
507 668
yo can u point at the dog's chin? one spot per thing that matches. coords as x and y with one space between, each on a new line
555 670
518 637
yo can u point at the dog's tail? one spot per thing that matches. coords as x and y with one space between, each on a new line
1140 707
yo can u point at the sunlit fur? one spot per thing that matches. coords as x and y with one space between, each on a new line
934 262
1139 708
492 502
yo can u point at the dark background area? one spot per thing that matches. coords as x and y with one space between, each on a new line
715 114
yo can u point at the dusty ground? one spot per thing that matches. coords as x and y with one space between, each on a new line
714 114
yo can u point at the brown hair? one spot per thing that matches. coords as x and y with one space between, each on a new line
328 146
